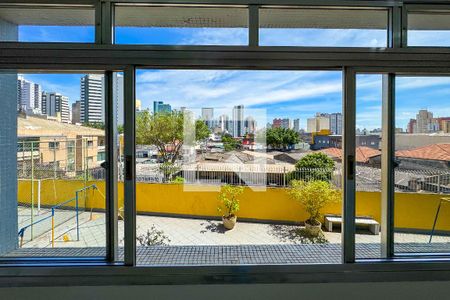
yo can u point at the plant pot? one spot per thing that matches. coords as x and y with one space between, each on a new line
314 230
229 222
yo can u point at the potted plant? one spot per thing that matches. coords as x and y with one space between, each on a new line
229 204
313 195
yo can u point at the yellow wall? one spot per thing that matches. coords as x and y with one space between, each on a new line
412 210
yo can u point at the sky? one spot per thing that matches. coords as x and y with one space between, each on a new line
281 94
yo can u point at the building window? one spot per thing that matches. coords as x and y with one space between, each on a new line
53 145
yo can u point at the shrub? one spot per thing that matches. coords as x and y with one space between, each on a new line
228 199
313 166
153 237
313 195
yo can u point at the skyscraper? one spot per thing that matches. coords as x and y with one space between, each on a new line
296 125
335 123
424 122
159 106
29 95
318 123
238 121
208 116
224 123
92 99
56 105
76 110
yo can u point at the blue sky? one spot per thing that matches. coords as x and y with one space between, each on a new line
293 94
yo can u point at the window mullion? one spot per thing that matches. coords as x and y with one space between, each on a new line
348 165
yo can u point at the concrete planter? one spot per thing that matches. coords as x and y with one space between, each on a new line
314 230
229 222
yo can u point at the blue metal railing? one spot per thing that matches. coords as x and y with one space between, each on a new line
52 216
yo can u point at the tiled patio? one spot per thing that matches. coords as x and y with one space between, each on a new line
206 242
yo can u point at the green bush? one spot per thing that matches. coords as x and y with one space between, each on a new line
228 197
314 196
313 166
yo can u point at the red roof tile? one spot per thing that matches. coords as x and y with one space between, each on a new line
431 152
363 154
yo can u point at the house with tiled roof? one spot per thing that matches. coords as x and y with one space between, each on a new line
430 156
364 155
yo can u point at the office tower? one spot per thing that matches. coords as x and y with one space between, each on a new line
208 116
335 126
29 95
250 125
276 123
238 121
425 122
318 123
224 123
92 99
159 106
286 123
296 125
56 105
76 110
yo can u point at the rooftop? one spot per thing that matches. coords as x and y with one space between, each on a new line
32 126
431 152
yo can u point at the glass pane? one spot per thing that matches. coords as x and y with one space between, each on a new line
368 165
181 25
323 27
59 207
429 28
47 24
204 135
422 180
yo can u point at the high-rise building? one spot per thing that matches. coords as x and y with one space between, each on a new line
29 95
411 125
335 126
444 124
76 110
238 121
296 125
250 125
159 106
318 123
92 99
208 116
56 105
276 123
224 123
286 123
424 122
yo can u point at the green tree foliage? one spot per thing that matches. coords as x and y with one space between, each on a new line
228 197
281 138
314 196
96 125
229 143
314 166
165 130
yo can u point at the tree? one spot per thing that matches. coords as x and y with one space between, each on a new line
229 143
281 138
96 125
166 131
314 166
